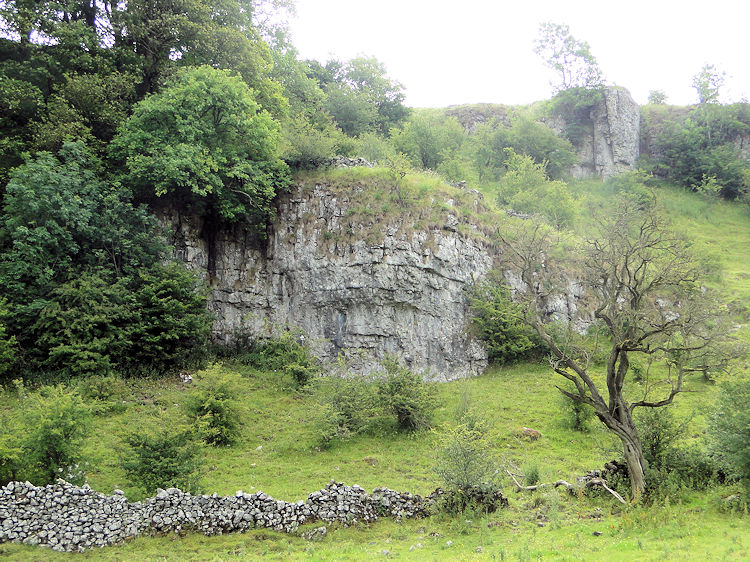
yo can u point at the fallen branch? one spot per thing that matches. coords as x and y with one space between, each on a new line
603 483
570 487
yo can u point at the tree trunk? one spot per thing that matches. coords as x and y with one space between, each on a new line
634 459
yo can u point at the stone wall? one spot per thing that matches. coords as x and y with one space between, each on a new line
69 518
365 289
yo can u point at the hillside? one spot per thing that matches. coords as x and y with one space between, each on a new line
279 450
227 267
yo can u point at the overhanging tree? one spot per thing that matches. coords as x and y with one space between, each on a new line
205 143
641 282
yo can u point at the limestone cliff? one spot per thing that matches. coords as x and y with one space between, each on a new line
615 138
366 287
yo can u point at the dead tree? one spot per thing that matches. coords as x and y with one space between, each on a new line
641 283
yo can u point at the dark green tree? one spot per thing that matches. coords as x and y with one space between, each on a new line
204 141
82 270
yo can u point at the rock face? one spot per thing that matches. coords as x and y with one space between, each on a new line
614 143
366 290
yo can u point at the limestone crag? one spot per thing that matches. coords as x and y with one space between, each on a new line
367 289
613 146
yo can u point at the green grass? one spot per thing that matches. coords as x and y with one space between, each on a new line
279 451
289 466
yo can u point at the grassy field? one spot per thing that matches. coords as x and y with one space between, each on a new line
279 454
289 465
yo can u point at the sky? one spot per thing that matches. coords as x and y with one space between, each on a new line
474 51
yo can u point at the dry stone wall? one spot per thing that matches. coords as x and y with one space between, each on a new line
70 518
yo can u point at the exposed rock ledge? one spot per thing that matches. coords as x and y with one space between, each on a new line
368 290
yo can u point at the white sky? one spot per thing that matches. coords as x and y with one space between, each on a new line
470 51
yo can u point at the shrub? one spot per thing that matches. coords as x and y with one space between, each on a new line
11 450
213 406
276 353
94 325
107 393
525 187
83 270
729 429
166 458
465 458
348 405
56 421
670 467
486 498
405 394
578 414
498 321
659 432
305 146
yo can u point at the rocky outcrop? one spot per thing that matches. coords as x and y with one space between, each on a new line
362 288
613 146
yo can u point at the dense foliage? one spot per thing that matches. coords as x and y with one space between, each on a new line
213 407
204 142
83 273
45 441
729 429
167 458
700 148
499 322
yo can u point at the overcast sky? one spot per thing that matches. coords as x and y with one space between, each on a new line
470 51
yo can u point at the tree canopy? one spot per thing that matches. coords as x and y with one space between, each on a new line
205 140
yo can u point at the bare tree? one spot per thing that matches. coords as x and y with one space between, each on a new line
640 281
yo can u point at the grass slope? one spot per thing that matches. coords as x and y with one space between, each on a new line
278 452
289 466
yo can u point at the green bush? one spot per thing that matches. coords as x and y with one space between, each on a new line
525 187
214 407
11 449
483 498
96 325
56 421
659 431
286 353
729 430
671 467
406 395
83 270
276 353
307 147
465 459
106 393
578 414
347 405
498 321
166 458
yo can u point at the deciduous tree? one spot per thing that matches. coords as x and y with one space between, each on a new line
570 58
643 285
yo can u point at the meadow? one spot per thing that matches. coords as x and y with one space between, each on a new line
280 453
